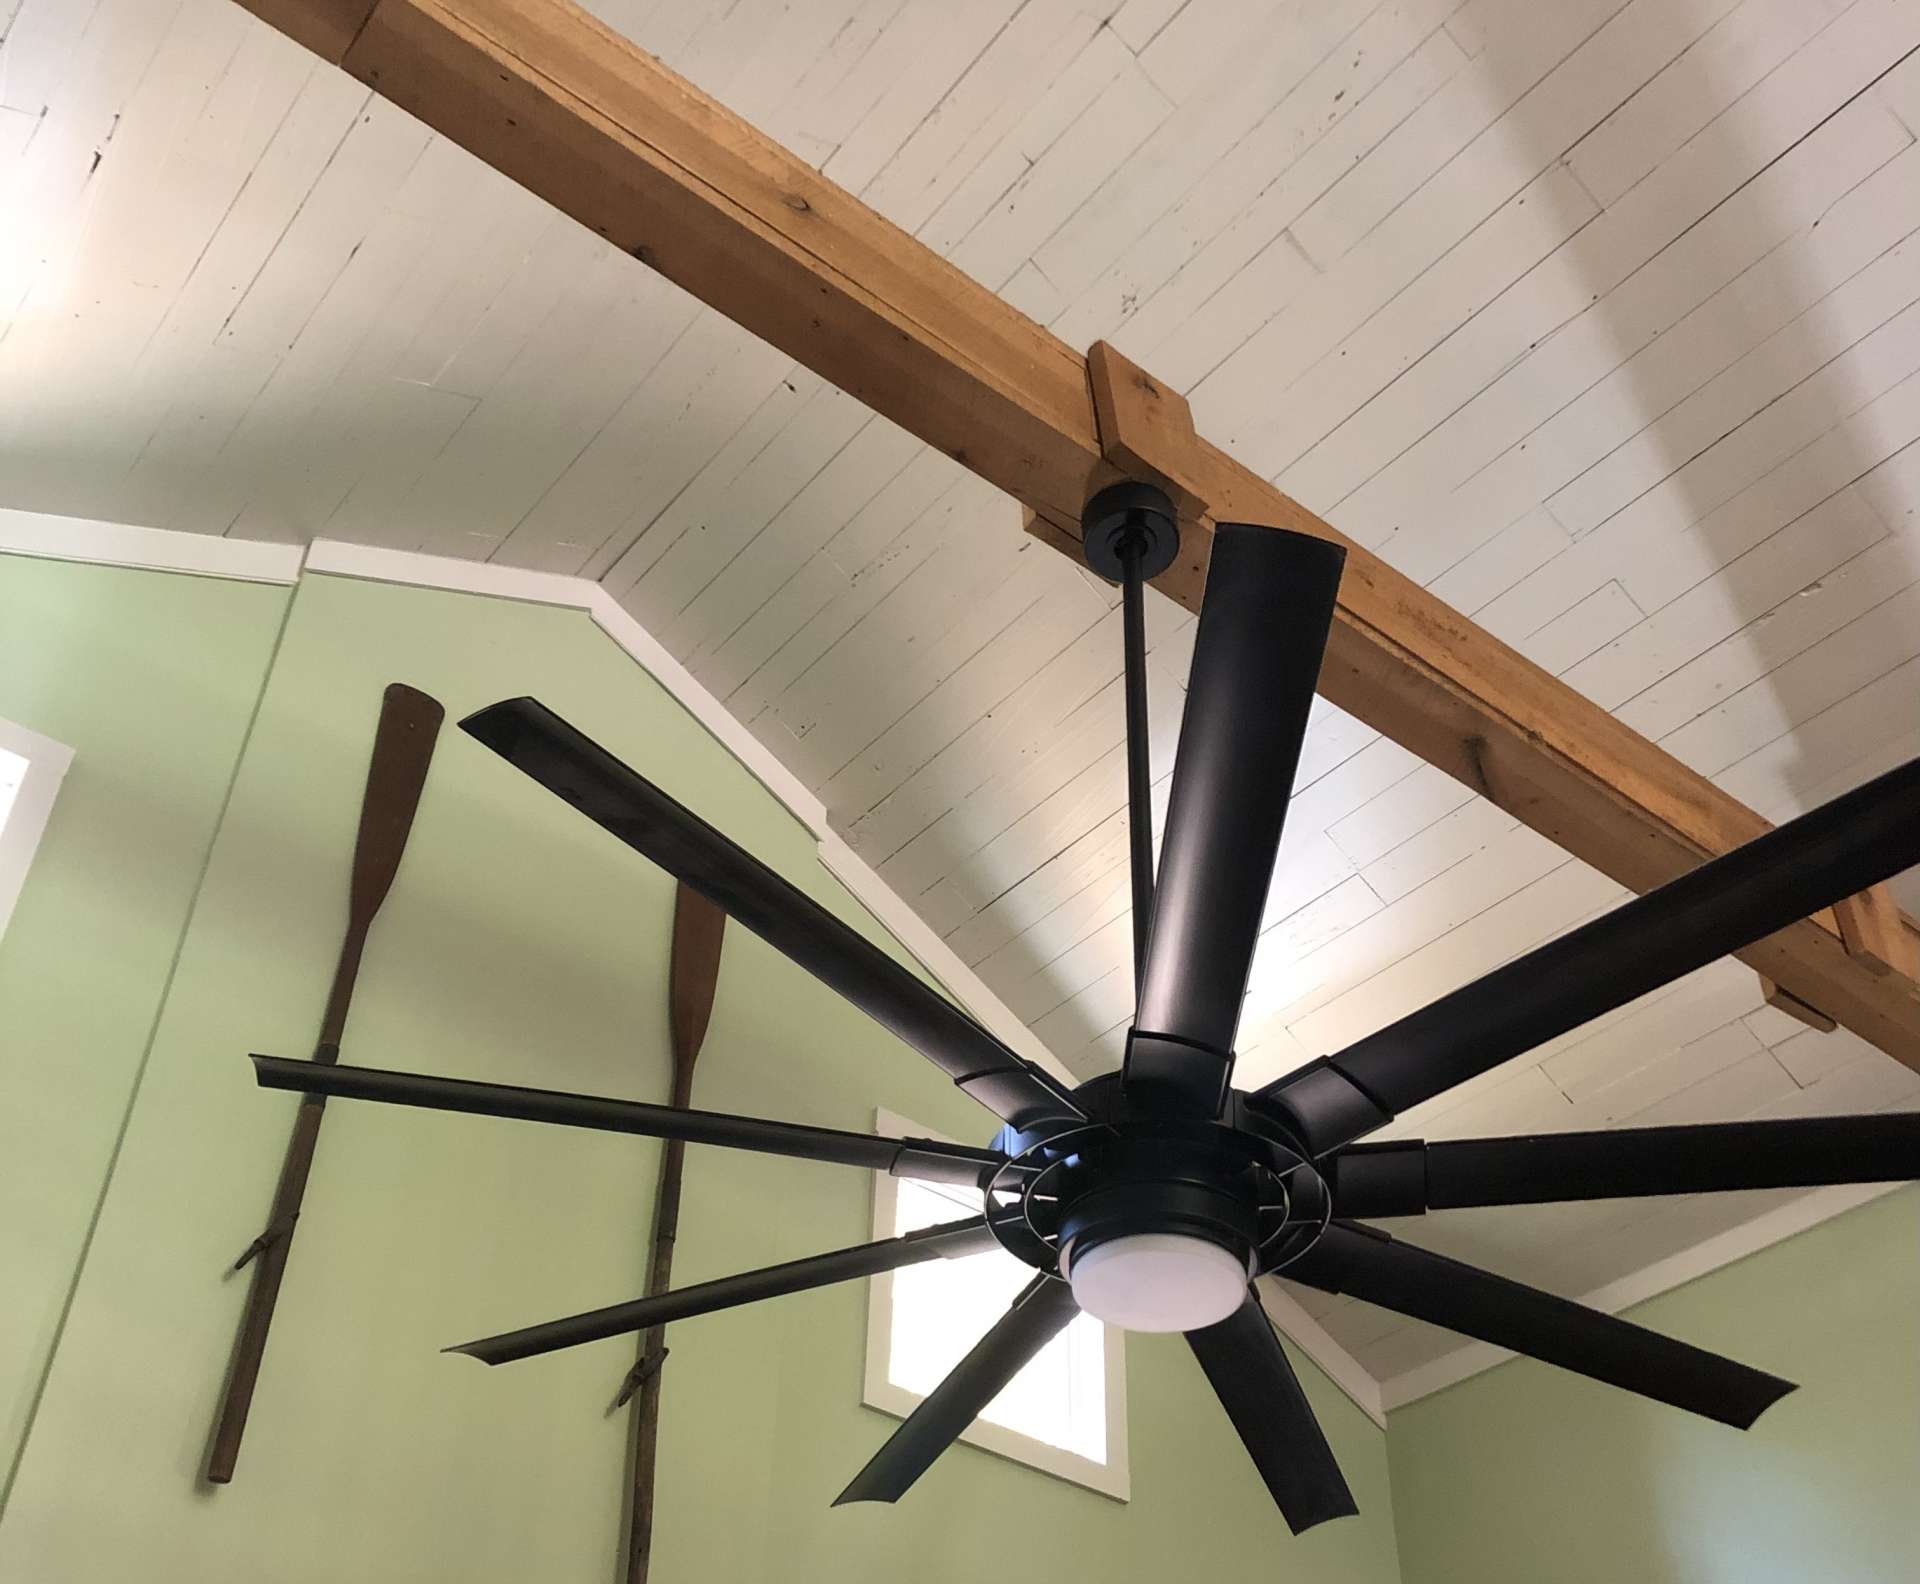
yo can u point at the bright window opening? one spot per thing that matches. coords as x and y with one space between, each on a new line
1064 1413
31 769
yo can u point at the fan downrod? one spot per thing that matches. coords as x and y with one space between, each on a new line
1132 518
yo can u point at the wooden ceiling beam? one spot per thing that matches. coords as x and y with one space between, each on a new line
1875 932
327 27
582 117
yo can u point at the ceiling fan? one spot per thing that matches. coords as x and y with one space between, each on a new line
1153 1196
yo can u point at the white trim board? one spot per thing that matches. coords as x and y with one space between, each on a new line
1676 1270
147 549
1313 1339
335 558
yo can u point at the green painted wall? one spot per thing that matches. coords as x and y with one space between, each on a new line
1528 1474
151 679
520 943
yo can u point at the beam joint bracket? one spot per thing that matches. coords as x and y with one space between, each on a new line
1146 429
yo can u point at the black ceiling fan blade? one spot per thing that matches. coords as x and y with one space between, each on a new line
1408 1176
949 1240
1038 1315
927 1160
1249 1372
1263 629
1828 854
538 742
1368 1264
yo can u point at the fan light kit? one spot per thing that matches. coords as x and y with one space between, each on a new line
1158 1281
1153 1196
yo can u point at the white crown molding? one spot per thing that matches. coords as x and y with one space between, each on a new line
648 653
335 558
146 549
1736 1243
1313 1339
411 568
934 954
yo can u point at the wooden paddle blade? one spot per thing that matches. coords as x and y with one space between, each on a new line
699 929
402 750
403 744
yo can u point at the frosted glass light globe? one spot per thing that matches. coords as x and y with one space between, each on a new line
1158 1281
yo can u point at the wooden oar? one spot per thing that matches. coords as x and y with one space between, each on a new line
402 750
698 929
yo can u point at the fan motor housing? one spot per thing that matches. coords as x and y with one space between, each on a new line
1127 1207
1240 1183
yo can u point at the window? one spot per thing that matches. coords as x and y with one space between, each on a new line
1065 1413
31 768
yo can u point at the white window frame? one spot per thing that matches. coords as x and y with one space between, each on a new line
21 827
1109 1478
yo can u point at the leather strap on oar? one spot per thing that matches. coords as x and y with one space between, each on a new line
402 750
698 930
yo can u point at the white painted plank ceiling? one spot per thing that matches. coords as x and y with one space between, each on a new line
1602 319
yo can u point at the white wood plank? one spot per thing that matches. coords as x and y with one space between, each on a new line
1379 261
1180 299
748 668
1469 829
1816 678
1137 22
1522 918
1671 538
1793 559
1455 289
1739 50
1397 815
1893 488
1615 284
904 76
690 543
1031 209
1555 78
1706 1001
1044 42
1779 777
39 46
698 398
1282 50
1795 371
1571 401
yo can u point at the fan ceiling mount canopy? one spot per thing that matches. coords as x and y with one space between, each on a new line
1155 1195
